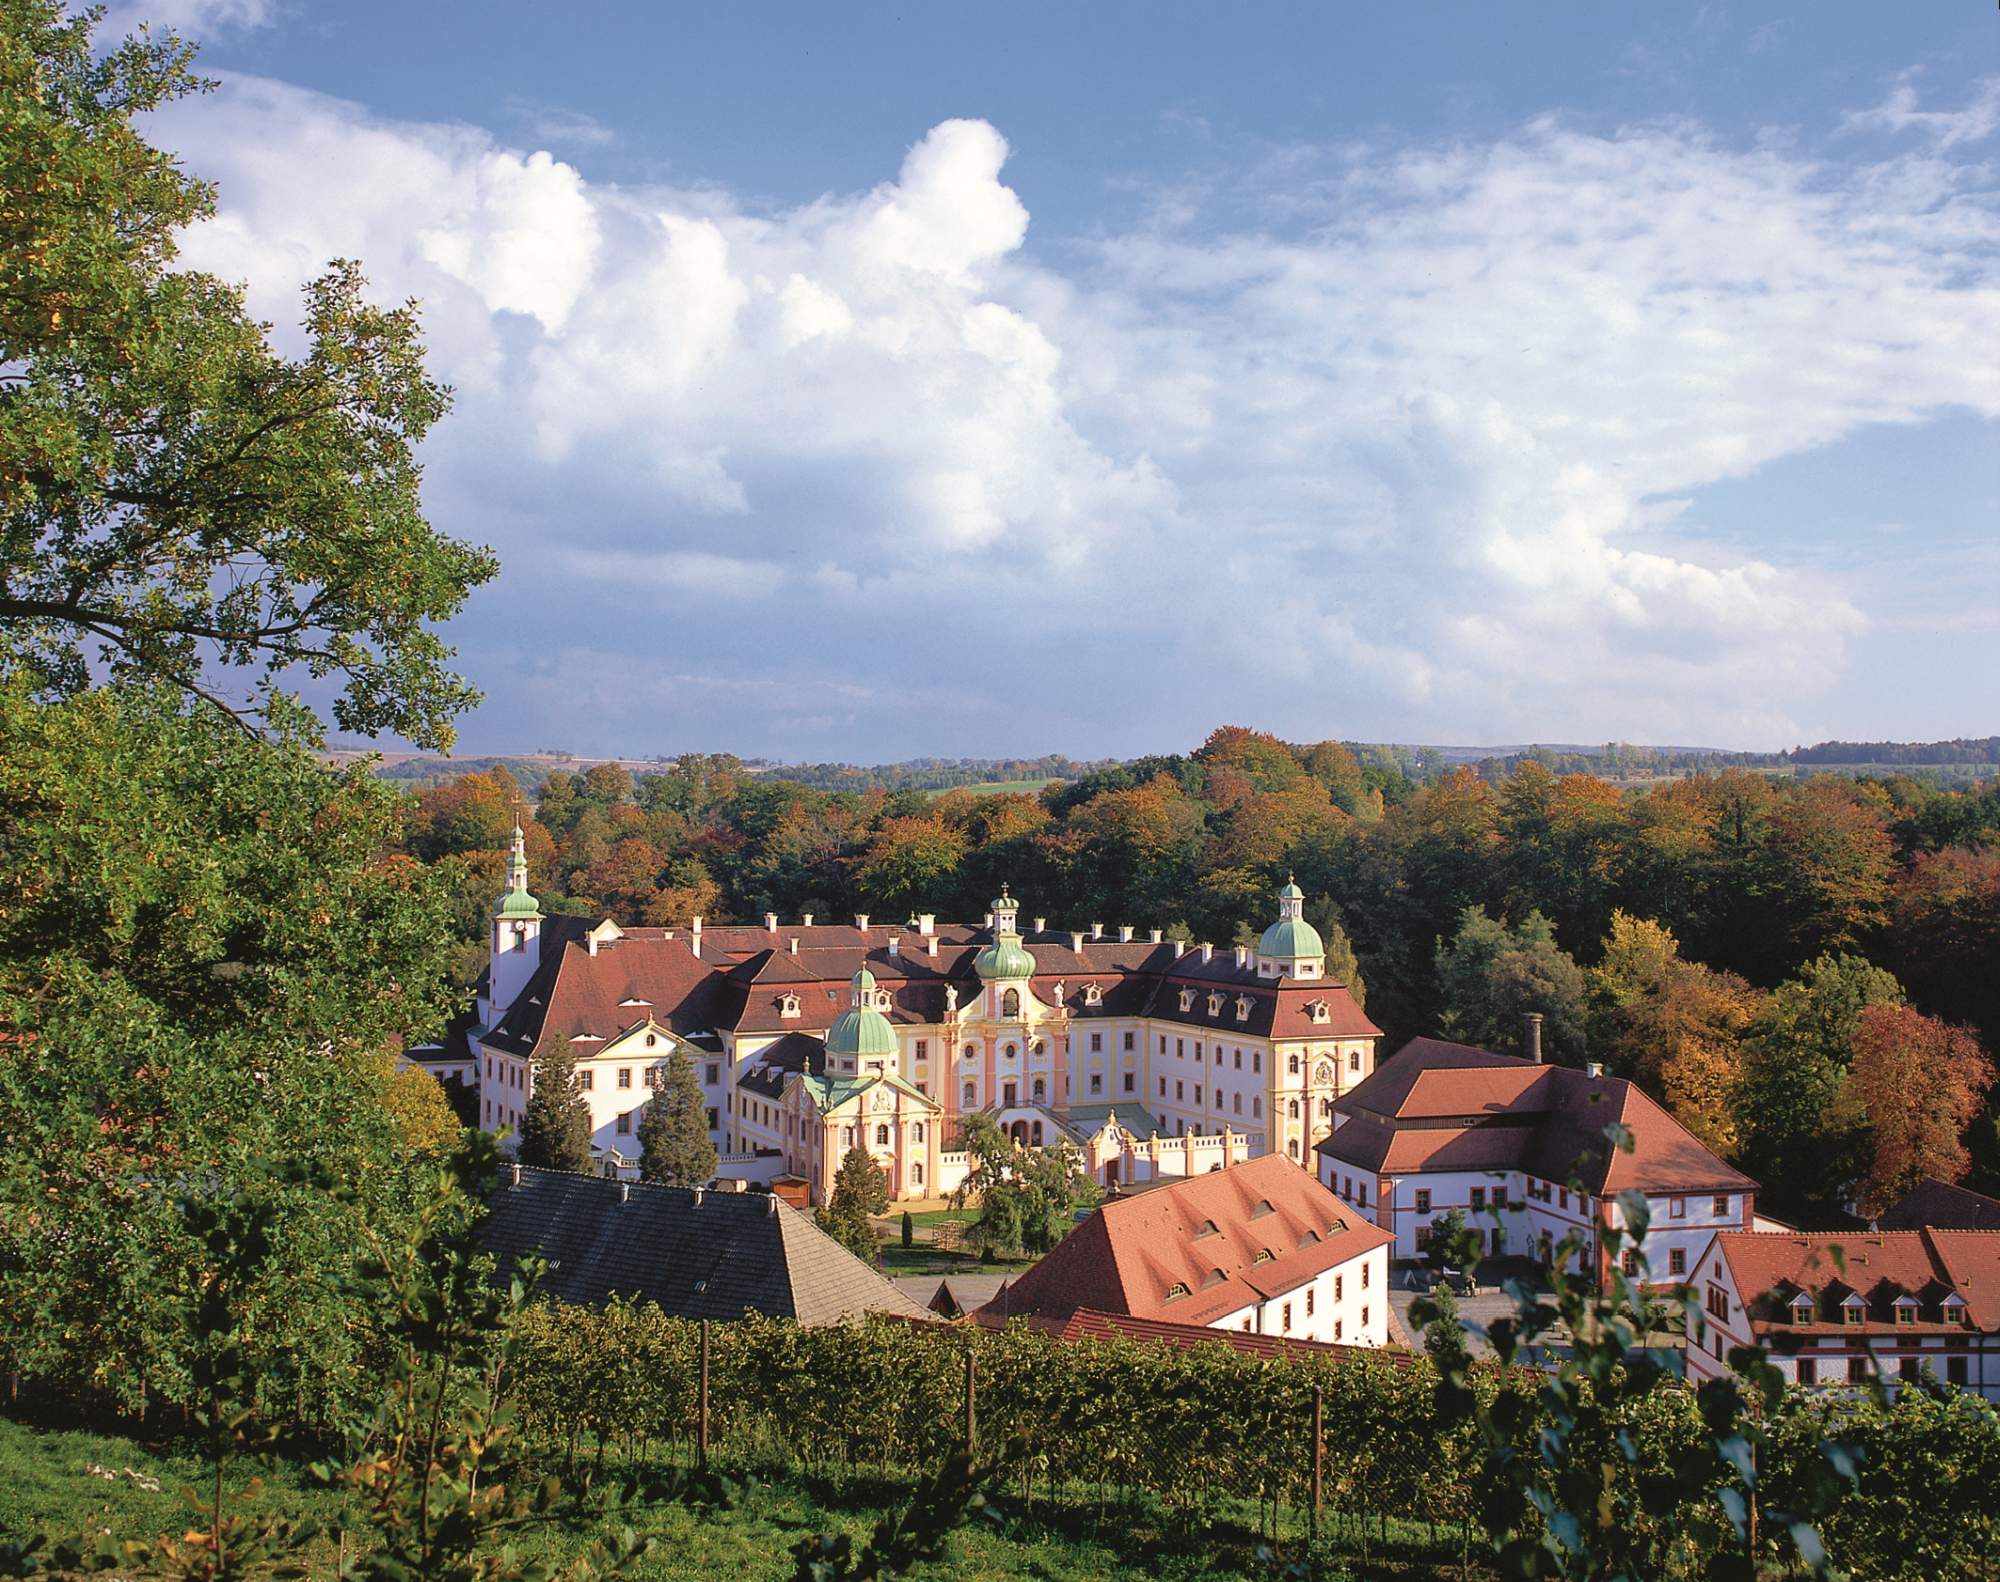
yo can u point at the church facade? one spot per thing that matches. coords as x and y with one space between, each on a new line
1152 1057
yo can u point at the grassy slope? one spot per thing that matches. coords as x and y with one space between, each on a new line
46 1481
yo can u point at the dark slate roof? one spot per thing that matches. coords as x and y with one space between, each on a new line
1938 1205
696 1254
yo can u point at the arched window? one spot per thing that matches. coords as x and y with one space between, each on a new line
881 1137
1010 1003
1041 1090
1325 1108
651 1040
916 1175
1256 1106
971 1095
847 1137
1292 1147
1038 1134
917 1132
1292 1109
1292 1065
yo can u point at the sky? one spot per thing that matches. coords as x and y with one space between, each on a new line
859 383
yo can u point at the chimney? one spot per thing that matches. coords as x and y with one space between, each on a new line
1180 949
1124 933
806 921
1096 930
770 922
1242 955
772 1199
1155 936
989 921
694 935
1593 1068
895 947
624 1191
792 944
697 1197
1041 925
930 944
515 1173
927 922
1531 1035
1207 951
861 921
1076 940
590 942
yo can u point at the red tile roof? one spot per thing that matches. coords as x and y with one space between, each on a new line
1441 1106
1770 1267
1225 1240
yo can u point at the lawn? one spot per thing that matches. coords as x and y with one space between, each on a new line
65 1481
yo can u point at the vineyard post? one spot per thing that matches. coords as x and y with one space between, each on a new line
701 1429
1319 1459
971 1403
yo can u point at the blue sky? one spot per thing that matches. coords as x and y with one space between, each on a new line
864 382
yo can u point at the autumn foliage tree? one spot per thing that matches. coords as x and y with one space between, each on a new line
1919 1082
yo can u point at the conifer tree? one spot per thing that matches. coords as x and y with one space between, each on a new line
555 1127
675 1149
858 1192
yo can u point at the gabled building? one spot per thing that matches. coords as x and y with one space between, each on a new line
1154 1058
1260 1248
697 1254
1845 1307
1444 1126
1939 1205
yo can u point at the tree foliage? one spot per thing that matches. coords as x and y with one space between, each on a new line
555 1123
674 1143
860 1191
1919 1082
175 494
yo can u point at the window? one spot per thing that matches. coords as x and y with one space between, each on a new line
625 1124
923 1049
1630 1262
1720 1207
1853 1313
1010 1003
1363 1198
1214 1004
1180 1049
1478 1199
1180 1091
1131 1082
1197 1093
916 1175
1857 1370
1364 1276
1187 999
1292 1109
847 1136
1292 1147
1257 1105
1326 1109
1128 1041
1955 1370
1093 995
1677 1260
1716 1303
970 1095
1354 1060
1009 1092
1285 1318
1339 1286
1292 1065
1423 1200
585 1080
1808 1371
1364 1320
1338 1328
917 1132
1906 1313
1256 1060
624 1076
1239 1103
1040 1090
1239 1060
1310 1294
714 1073
1565 1198
1679 1208
1096 1083
652 1040
1802 1309
1096 1043
1906 1369
650 1076
881 1137
970 1051
1163 1087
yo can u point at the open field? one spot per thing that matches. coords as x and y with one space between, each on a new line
68 1481
993 788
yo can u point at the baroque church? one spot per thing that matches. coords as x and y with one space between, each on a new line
1154 1058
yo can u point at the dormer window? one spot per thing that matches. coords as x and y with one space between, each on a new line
788 1005
1853 1309
1953 1308
1214 1277
1242 1007
1092 994
1319 1011
1802 1309
1264 1255
1207 1227
1187 999
1215 1005
1176 1291
1263 1207
1308 1239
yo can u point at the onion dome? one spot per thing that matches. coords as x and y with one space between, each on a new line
861 1031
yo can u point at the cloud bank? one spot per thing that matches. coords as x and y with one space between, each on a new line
1355 440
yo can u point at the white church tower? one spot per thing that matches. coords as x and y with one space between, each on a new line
1291 947
517 938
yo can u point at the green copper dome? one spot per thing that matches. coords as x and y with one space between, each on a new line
1006 957
861 1031
1291 937
1291 891
517 903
